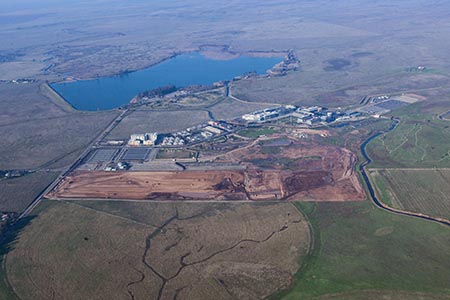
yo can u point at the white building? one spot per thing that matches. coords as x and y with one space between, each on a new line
147 139
150 138
251 117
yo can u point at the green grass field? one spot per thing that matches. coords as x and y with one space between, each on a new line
361 252
420 140
424 191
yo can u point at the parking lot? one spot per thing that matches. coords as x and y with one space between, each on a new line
135 154
103 155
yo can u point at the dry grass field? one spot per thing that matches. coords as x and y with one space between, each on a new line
127 250
37 128
40 132
335 90
196 100
230 109
52 141
17 193
141 121
425 191
112 37
22 103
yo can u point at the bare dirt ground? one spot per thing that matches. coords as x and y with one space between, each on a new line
307 171
295 172
129 250
152 185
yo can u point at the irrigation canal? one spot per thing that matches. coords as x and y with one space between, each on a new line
373 196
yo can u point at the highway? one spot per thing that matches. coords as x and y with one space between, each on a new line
74 165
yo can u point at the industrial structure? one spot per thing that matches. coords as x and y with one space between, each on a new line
147 139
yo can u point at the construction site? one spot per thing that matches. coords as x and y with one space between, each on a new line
266 169
274 154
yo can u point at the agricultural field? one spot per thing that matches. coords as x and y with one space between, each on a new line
425 191
142 121
361 252
128 250
17 193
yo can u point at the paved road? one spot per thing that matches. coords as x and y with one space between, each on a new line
230 95
74 165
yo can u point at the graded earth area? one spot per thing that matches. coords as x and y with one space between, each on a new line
294 171
128 250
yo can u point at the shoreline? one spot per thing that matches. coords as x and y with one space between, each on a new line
210 54
56 98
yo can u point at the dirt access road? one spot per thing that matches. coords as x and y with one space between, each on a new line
296 172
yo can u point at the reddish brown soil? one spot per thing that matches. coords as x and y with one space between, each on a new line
295 172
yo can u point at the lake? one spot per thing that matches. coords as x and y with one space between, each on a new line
183 70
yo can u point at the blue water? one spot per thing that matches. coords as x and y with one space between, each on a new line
183 70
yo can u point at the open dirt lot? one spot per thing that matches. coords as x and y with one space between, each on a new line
129 250
295 172
307 171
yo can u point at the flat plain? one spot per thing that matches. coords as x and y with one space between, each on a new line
129 250
361 252
50 142
431 190
17 193
40 132
142 121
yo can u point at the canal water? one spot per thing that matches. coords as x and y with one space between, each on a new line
183 70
